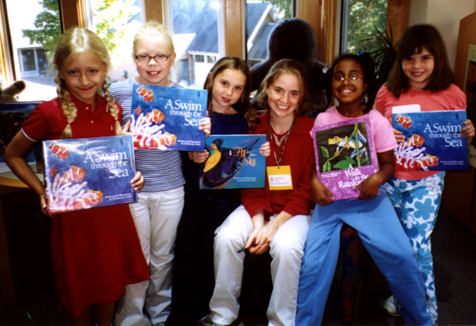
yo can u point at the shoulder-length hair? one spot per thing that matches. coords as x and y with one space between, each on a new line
413 41
285 66
230 62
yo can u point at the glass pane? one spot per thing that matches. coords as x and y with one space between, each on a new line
363 21
116 22
35 27
195 35
261 17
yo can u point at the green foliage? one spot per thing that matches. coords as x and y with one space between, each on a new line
111 23
48 27
384 53
362 17
348 161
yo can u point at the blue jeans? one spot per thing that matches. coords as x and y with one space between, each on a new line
385 240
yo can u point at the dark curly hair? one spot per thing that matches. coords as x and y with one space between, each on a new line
368 68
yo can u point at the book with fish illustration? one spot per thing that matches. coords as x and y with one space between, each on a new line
166 118
89 172
345 156
432 140
234 161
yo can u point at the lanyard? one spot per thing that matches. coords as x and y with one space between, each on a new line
285 140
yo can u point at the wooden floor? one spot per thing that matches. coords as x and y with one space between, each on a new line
454 262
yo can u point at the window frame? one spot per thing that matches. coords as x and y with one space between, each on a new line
233 14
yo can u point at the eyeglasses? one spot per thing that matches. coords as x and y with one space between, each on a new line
158 57
352 78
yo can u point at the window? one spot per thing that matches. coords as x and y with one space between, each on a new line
360 24
116 22
211 59
261 17
33 36
194 24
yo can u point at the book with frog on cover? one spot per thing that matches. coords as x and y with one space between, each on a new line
345 156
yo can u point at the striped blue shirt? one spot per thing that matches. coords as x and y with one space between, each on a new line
162 170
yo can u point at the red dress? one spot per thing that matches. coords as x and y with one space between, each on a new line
95 252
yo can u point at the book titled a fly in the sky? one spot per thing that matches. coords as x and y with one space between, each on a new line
89 172
345 156
432 140
166 118
234 161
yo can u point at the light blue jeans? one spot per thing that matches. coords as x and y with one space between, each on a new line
416 203
385 240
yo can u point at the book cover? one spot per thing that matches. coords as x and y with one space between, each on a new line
345 156
166 118
432 141
234 161
12 117
89 172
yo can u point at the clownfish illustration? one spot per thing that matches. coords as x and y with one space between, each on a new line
60 151
406 122
146 94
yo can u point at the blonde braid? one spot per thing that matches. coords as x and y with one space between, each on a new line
112 108
69 109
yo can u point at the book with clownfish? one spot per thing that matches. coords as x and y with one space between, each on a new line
432 139
167 118
87 173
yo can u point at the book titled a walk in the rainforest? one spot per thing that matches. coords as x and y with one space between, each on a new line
432 141
345 156
234 161
89 172
166 118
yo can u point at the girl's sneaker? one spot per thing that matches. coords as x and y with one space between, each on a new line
390 305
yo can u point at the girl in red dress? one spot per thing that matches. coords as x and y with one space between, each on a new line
95 252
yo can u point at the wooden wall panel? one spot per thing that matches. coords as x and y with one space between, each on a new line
467 35
398 15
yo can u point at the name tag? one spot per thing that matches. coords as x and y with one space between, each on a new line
279 178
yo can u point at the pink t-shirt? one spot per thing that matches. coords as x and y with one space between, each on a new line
382 131
451 98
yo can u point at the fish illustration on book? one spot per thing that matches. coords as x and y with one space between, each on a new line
410 155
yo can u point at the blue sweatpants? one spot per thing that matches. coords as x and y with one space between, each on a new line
383 237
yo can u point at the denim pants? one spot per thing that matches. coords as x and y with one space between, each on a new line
383 237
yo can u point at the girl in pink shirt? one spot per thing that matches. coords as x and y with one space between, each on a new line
422 76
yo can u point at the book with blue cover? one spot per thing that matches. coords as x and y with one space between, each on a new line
167 118
89 172
234 161
345 156
12 117
432 141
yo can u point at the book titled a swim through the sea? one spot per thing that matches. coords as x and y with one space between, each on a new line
89 172
432 140
166 118
234 161
345 156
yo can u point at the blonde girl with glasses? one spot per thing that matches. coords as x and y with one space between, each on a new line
159 207
95 252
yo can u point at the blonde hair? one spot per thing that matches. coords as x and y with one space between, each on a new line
79 40
154 29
